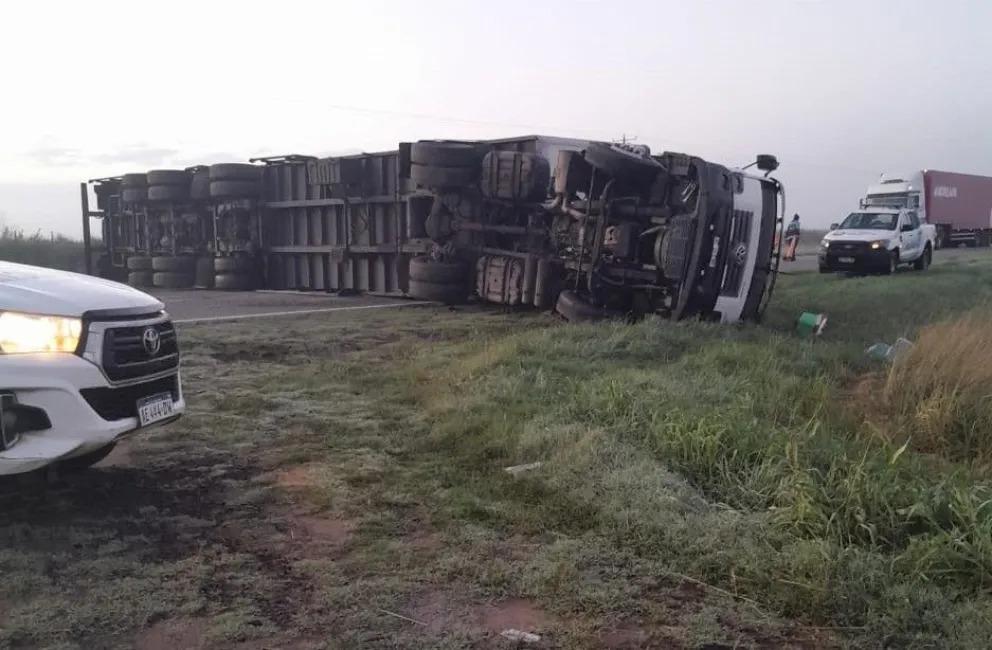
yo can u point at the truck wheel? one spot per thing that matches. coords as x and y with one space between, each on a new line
140 278
172 280
621 164
235 172
87 460
168 192
167 177
442 177
203 278
575 309
234 264
134 180
234 281
134 194
174 264
446 153
139 263
923 262
428 270
239 189
445 292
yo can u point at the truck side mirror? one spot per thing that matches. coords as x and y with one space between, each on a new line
834 226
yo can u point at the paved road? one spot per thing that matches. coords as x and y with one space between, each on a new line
205 306
806 263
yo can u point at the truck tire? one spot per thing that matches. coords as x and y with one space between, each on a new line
240 189
234 281
167 177
428 270
893 263
134 180
174 264
444 292
87 460
234 264
139 263
134 194
235 172
622 165
168 192
172 280
575 309
446 153
923 262
203 277
199 185
140 278
443 177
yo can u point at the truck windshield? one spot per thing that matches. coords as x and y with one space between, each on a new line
887 200
870 221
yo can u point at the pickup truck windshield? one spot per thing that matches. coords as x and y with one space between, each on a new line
870 221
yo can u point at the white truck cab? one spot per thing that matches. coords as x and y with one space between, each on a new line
878 239
83 363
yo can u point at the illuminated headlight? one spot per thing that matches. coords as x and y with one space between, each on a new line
825 244
875 245
22 333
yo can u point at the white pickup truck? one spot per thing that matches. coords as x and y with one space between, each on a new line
878 240
83 363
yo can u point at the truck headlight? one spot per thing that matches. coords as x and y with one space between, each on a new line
881 243
22 333
824 244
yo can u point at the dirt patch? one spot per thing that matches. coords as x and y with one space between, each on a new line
317 530
120 457
297 477
515 613
172 634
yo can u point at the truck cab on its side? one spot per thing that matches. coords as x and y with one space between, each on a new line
878 240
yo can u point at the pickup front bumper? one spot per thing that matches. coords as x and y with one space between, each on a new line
860 258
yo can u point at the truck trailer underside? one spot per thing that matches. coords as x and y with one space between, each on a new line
591 228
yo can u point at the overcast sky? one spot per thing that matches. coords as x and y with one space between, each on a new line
839 91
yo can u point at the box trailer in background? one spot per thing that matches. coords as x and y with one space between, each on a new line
958 205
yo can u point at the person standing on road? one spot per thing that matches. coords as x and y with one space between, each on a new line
792 239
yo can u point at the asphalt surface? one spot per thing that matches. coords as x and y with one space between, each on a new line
192 305
806 263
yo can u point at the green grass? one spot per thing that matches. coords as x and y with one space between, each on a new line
56 252
699 484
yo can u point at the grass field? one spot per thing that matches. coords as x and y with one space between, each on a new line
341 484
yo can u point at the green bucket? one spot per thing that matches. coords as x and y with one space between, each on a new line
810 324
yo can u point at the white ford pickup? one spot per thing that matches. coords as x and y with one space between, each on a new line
83 363
878 240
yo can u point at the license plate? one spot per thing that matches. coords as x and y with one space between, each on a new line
155 408
846 260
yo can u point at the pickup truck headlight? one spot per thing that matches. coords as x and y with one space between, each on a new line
22 333
824 245
881 243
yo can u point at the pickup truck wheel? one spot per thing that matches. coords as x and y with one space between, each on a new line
923 262
893 263
576 310
79 463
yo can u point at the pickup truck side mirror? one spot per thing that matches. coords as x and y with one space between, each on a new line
834 226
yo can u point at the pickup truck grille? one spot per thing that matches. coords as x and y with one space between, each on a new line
739 250
119 403
849 247
127 355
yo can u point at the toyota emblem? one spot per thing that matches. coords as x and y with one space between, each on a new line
151 340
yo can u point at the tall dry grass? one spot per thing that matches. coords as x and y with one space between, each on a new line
941 390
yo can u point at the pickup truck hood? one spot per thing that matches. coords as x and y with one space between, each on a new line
59 293
859 234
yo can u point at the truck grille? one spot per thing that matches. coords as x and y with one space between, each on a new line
739 249
119 403
126 355
848 247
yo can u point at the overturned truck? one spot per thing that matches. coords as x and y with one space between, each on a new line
592 229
